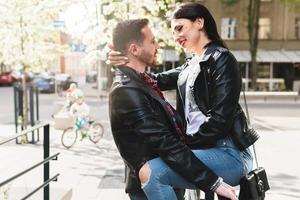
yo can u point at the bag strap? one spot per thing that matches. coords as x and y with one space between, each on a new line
248 119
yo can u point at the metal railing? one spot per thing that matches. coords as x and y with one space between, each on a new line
44 162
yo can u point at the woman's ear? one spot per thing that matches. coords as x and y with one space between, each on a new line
200 23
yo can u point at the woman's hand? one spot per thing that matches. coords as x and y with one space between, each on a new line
227 191
115 57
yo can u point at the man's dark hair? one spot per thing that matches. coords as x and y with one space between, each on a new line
128 31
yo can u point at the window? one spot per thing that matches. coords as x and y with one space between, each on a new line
263 71
297 27
228 28
264 31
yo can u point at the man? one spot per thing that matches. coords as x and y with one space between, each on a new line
143 124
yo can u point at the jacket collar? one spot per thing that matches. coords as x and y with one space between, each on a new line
129 73
136 81
210 49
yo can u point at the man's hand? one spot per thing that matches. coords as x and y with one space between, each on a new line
227 191
115 57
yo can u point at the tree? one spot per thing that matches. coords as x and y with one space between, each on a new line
109 13
253 26
28 39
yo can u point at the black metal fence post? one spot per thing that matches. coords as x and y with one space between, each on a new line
16 108
20 107
46 165
33 111
31 107
37 111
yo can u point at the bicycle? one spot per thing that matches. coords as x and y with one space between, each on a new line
93 130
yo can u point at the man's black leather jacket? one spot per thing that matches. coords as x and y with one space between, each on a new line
216 92
142 129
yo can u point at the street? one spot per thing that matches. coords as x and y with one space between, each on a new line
100 170
48 104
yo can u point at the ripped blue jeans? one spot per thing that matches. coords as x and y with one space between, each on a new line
224 159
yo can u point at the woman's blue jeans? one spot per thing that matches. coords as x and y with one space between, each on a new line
224 159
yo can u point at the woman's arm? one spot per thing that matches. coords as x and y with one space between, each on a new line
168 80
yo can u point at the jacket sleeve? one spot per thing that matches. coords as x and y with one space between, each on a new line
224 95
135 110
168 80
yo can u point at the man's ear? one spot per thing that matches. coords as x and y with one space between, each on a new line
133 49
200 23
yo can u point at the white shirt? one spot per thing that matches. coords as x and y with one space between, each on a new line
194 117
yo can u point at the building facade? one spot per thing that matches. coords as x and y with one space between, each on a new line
279 41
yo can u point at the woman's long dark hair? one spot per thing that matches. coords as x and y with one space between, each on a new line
192 11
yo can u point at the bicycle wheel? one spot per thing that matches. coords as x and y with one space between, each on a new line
69 137
96 132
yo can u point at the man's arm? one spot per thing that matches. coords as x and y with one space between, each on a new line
134 109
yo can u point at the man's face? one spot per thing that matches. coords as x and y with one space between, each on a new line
148 48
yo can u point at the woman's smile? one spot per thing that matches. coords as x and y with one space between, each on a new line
181 41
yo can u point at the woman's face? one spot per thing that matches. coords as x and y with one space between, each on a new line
187 33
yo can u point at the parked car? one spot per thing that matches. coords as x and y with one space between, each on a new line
6 79
91 76
63 81
44 84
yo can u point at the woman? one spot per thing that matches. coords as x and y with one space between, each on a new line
209 85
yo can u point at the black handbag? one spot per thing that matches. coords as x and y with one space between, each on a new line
254 185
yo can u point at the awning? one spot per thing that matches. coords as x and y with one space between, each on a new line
293 55
269 56
242 56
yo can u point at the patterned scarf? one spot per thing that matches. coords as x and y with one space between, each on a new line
153 83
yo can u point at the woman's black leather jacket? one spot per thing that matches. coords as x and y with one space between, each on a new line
216 92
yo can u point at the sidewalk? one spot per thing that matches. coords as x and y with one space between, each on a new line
86 170
96 172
